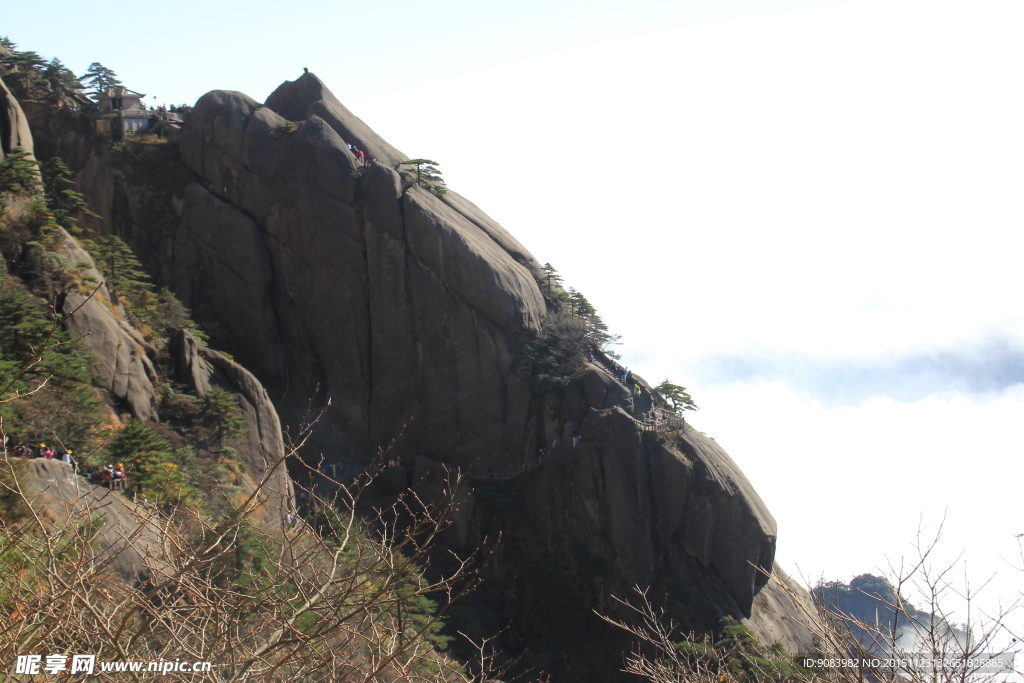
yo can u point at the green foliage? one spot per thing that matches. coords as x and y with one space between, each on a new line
99 78
61 77
6 42
151 459
160 313
415 612
61 198
19 173
25 561
739 656
550 279
26 65
286 128
249 563
124 276
67 404
748 660
596 332
427 175
578 304
223 411
677 395
22 61
172 315
399 579
556 354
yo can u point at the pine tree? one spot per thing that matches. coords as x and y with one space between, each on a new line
172 315
677 395
26 63
551 278
415 613
151 459
578 304
62 81
99 78
598 334
223 411
69 404
19 173
428 175
124 275
65 203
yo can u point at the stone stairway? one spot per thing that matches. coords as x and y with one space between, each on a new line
641 405
609 365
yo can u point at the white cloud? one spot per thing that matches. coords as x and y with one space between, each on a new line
849 486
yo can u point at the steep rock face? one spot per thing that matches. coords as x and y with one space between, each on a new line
14 128
390 302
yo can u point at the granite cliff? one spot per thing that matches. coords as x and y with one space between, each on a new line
395 308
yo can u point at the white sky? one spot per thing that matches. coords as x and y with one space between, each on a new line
808 213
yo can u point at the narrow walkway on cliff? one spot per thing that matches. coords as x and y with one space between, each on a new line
641 403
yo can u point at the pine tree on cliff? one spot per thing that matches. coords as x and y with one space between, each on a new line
677 395
124 275
551 278
18 173
427 174
578 304
65 203
223 411
62 81
99 78
25 63
150 459
36 353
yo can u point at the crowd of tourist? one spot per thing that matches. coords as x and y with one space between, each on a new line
110 476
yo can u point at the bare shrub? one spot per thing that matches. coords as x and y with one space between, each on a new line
293 603
903 644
